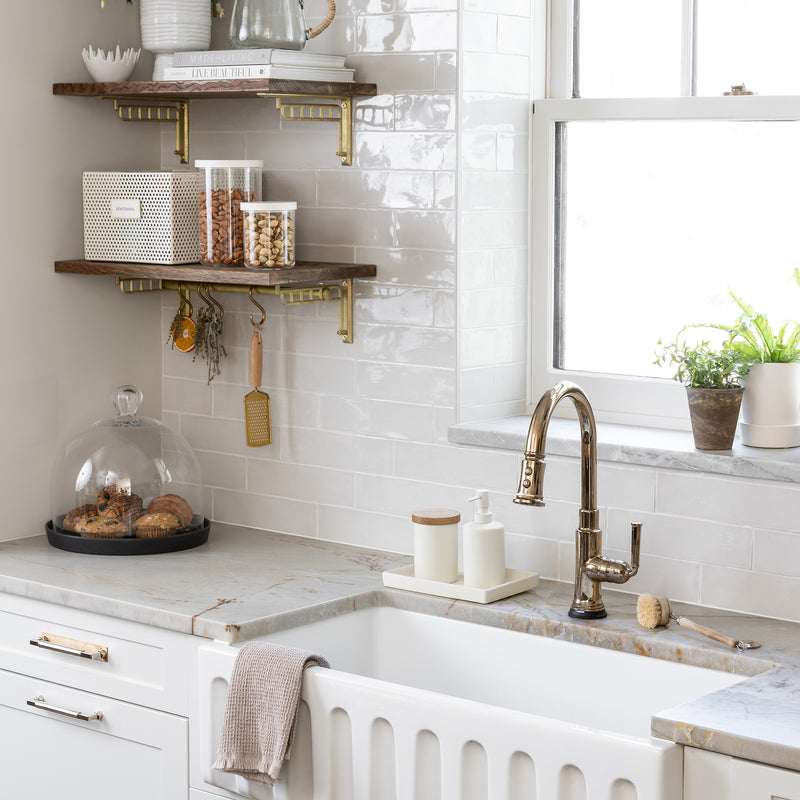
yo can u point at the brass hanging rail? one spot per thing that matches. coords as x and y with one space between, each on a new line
289 295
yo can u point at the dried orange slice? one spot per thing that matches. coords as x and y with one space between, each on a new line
183 335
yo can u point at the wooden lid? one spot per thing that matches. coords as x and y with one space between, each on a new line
436 516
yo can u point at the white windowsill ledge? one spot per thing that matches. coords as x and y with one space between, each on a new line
623 444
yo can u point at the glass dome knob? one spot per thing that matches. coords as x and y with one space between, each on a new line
127 400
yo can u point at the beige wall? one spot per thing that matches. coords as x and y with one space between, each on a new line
67 342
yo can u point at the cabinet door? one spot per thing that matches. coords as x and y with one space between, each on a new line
131 753
711 775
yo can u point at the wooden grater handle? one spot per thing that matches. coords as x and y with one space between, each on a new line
256 359
717 637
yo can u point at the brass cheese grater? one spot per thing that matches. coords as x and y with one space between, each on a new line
256 403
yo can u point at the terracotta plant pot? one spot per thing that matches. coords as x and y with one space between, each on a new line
714 414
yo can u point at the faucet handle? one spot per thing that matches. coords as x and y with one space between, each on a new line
636 544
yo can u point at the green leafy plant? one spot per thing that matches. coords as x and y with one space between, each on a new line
216 8
702 366
752 335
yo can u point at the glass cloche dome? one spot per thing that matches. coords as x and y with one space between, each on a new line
129 484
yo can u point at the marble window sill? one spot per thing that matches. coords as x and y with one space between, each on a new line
623 444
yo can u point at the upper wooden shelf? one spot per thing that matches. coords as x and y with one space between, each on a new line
168 101
191 90
302 272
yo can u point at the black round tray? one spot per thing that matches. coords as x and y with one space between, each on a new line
129 546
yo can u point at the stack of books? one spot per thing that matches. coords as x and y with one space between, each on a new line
261 63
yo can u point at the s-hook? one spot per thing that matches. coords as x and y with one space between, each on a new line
259 307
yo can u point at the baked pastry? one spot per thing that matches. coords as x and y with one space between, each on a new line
78 515
172 504
106 498
153 526
101 528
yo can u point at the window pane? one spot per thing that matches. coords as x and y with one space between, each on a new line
750 41
629 48
657 219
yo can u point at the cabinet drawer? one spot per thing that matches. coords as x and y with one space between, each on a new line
129 754
722 777
143 664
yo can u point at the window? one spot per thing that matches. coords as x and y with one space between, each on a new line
654 191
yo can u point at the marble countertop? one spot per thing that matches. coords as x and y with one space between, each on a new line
244 583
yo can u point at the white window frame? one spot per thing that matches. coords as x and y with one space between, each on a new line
650 402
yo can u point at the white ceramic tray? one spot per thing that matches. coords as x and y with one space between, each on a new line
516 581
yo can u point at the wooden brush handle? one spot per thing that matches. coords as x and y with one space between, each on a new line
256 359
716 636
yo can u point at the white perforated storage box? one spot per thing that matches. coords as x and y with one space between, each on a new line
148 217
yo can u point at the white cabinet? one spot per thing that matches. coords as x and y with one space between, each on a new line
113 725
711 775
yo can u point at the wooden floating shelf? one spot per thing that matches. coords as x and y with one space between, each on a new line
168 102
307 282
216 90
302 272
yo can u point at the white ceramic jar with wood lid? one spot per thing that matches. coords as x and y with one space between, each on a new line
436 544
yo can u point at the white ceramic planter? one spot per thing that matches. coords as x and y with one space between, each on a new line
171 26
771 406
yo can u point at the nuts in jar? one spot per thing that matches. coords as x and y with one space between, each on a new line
269 235
226 185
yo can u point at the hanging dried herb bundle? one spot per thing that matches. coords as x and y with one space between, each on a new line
209 340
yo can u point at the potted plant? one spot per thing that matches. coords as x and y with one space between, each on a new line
713 388
771 403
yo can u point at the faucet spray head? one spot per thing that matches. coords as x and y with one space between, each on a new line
531 480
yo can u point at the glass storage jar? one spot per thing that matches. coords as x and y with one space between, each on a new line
129 484
268 235
225 185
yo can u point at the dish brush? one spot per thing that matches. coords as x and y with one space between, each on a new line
653 612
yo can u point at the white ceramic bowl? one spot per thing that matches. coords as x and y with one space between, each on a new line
110 67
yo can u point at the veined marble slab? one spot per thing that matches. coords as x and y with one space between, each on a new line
244 583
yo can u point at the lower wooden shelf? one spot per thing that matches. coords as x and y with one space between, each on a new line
302 272
306 282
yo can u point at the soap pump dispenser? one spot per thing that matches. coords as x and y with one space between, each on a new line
484 547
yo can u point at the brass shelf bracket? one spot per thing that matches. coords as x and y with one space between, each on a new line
168 111
336 109
289 295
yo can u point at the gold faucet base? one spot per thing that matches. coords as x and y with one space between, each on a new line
585 613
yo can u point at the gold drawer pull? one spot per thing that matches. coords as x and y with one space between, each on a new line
38 702
71 647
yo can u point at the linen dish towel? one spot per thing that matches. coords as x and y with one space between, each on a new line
261 709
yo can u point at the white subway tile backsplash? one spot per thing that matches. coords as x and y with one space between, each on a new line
446 72
405 383
408 345
397 72
513 35
312 484
434 269
485 72
268 513
777 552
425 112
406 150
760 593
376 189
478 468
390 304
416 32
223 471
438 201
762 504
478 32
478 150
318 447
368 417
681 538
366 529
401 497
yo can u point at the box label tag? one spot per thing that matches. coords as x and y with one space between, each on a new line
126 209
